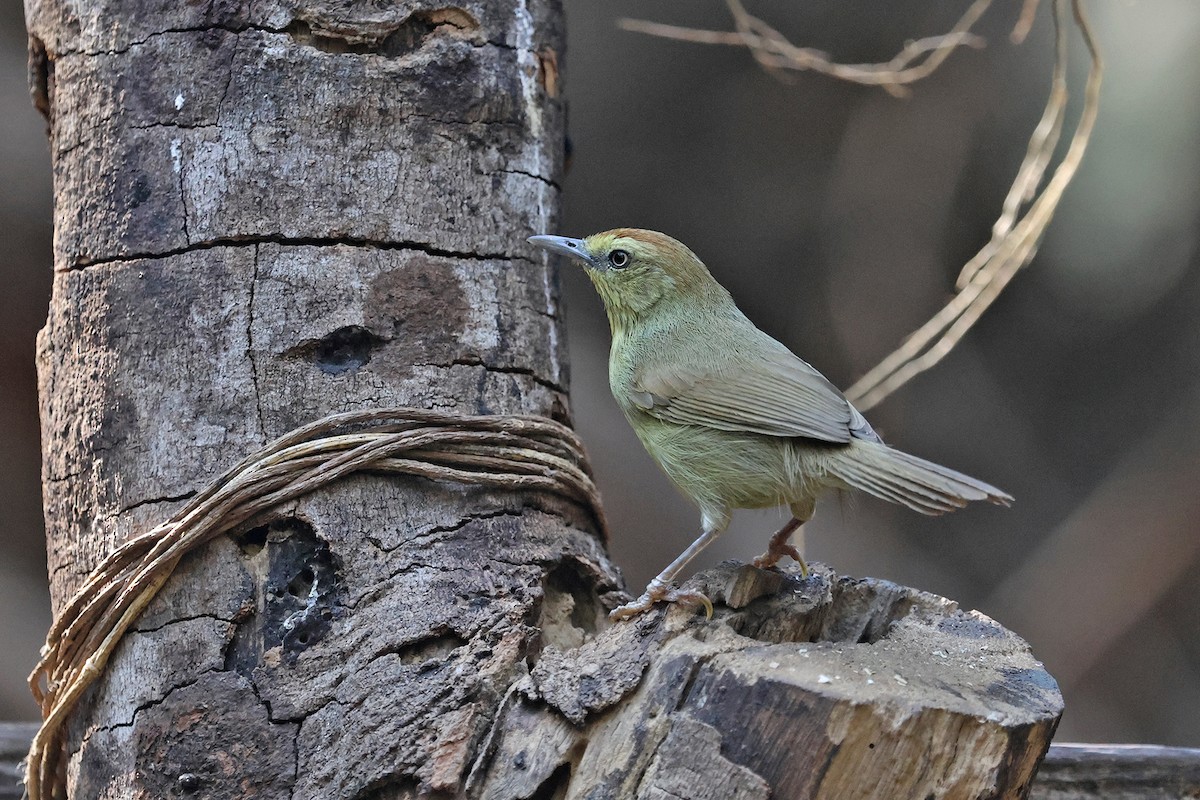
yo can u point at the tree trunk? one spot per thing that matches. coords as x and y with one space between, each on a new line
265 214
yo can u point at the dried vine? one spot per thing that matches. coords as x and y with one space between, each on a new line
524 453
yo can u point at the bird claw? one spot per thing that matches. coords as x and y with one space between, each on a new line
778 550
662 593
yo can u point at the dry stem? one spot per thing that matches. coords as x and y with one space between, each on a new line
1015 238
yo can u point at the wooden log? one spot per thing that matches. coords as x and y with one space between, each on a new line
820 688
265 213
1118 772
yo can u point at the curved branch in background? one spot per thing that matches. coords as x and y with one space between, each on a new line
1025 214
777 55
1014 241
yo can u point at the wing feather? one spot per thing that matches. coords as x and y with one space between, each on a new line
771 392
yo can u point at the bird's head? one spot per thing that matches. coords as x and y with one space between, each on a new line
635 271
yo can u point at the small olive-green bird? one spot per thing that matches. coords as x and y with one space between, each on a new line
730 414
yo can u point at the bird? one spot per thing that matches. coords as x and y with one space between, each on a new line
730 414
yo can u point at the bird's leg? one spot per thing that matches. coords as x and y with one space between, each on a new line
778 547
661 589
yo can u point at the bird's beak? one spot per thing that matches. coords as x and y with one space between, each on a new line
575 248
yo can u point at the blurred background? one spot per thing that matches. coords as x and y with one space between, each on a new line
838 217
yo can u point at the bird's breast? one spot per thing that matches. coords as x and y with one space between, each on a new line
724 469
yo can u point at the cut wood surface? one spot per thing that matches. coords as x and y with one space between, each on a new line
823 687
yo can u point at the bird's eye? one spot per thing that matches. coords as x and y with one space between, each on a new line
619 259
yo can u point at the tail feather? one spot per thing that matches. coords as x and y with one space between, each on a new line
901 478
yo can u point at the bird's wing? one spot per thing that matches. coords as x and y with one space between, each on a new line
770 392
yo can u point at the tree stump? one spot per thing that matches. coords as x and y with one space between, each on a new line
823 687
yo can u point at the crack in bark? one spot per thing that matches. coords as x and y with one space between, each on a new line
540 311
296 723
188 495
533 175
266 704
418 539
500 369
462 522
250 355
157 124
177 159
441 634
295 759
66 476
246 26
150 704
486 751
177 620
83 262
690 681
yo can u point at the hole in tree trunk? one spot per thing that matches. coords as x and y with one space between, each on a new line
570 611
555 786
297 598
341 350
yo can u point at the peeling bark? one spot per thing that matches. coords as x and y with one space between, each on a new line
267 212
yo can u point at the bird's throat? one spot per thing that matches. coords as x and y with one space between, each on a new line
630 302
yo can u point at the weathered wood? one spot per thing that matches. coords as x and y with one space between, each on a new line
1068 772
1118 772
266 213
820 688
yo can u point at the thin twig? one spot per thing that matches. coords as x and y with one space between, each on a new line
776 53
1037 157
1024 22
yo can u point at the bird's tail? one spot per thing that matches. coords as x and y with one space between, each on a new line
901 478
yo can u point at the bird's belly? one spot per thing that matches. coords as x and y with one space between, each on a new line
724 469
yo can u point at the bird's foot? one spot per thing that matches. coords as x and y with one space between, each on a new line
778 550
661 592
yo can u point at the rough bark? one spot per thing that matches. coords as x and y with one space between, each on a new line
1069 771
266 213
273 211
823 688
